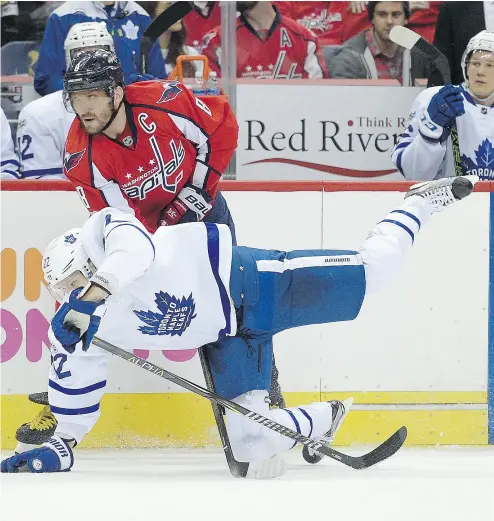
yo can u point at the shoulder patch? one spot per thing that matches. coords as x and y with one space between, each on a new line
72 160
171 91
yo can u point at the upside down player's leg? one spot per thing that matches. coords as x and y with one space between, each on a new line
274 291
220 214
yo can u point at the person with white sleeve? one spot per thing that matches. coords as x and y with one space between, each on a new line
44 123
188 286
9 162
451 128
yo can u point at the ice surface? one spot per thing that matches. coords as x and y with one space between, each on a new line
417 484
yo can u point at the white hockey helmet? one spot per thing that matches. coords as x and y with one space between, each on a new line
483 41
87 34
66 264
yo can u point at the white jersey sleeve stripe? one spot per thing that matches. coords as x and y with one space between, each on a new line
110 191
331 261
197 136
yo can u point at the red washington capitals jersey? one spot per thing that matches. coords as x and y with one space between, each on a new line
324 19
201 21
173 138
287 51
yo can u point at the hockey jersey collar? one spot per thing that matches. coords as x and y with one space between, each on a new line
133 129
469 97
118 9
272 29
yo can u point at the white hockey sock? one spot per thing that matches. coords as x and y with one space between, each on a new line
253 442
384 249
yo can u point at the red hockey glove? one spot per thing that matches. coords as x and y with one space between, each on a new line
191 205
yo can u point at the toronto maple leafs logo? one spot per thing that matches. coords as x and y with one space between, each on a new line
172 90
72 160
131 30
483 165
174 317
69 239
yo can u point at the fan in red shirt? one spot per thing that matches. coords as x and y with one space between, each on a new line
269 46
151 148
324 19
422 19
201 20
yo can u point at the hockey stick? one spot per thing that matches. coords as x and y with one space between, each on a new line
409 39
238 469
380 453
160 25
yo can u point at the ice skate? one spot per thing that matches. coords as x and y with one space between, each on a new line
40 398
38 430
340 410
444 192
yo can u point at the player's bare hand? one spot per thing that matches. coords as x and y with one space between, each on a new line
359 7
417 6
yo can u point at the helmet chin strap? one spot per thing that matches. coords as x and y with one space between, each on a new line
113 116
478 98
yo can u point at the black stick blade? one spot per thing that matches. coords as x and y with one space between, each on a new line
385 450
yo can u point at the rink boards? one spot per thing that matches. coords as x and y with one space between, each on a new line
418 355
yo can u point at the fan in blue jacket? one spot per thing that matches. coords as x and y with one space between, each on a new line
126 22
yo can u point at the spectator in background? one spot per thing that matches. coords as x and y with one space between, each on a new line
269 46
422 20
372 55
45 122
9 163
126 22
23 21
456 24
450 130
200 21
325 19
172 43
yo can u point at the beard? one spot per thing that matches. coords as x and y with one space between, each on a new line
95 123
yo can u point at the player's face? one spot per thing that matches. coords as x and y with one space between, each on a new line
93 108
67 285
386 16
480 72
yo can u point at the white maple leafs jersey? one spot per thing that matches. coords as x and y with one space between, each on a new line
173 286
43 127
9 163
418 159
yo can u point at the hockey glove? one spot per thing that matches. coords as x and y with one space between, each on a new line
75 321
191 205
55 455
444 107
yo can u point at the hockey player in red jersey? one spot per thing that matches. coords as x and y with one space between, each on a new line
269 46
200 21
151 148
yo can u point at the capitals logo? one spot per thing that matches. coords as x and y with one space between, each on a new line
174 318
483 163
172 90
72 160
